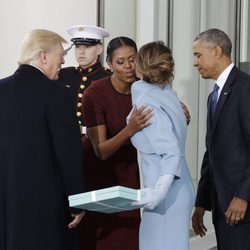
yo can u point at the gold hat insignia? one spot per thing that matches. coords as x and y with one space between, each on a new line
80 29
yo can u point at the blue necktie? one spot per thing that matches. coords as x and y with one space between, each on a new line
214 101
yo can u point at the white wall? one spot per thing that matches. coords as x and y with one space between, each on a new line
119 19
185 28
145 21
19 17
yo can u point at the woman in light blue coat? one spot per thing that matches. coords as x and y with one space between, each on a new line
169 191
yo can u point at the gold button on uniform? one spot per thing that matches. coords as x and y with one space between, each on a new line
84 78
79 104
78 114
82 86
80 95
90 69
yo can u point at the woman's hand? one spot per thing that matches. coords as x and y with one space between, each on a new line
186 112
139 119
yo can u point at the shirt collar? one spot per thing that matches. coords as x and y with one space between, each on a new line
33 65
224 75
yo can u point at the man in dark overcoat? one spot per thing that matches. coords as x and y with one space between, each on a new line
224 186
40 151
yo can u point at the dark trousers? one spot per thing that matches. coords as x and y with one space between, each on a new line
235 237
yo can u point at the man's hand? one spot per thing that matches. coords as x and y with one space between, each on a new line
76 220
197 221
236 211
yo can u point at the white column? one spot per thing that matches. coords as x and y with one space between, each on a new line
145 21
244 32
19 17
185 28
119 20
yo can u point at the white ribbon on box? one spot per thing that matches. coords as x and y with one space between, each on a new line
93 197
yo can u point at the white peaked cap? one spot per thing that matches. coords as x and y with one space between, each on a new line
80 33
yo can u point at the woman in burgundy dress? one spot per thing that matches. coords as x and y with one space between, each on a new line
109 157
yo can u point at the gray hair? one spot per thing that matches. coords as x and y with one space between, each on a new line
216 37
35 42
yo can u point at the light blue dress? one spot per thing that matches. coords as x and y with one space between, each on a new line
162 148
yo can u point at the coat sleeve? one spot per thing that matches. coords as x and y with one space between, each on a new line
243 190
159 138
66 140
203 197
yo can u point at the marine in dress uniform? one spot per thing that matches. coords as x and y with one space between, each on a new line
89 70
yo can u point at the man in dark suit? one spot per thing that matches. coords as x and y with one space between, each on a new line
224 185
40 151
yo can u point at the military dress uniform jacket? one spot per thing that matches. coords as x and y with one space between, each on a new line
78 79
37 169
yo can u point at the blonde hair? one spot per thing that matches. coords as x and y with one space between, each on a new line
36 41
155 62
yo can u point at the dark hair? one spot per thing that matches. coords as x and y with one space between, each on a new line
155 62
118 42
216 37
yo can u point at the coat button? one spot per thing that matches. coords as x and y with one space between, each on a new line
79 104
80 95
82 86
84 78
78 114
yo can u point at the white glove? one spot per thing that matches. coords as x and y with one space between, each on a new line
157 194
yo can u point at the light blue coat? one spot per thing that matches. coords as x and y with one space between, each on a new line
162 149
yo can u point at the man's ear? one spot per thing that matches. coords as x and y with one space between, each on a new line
43 57
218 52
99 49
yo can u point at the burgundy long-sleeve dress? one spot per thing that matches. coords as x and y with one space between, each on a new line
102 104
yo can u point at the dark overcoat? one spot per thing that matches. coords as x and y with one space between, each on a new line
40 162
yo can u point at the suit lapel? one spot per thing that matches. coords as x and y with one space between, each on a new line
225 93
209 126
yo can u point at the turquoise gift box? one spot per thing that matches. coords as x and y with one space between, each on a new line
108 200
